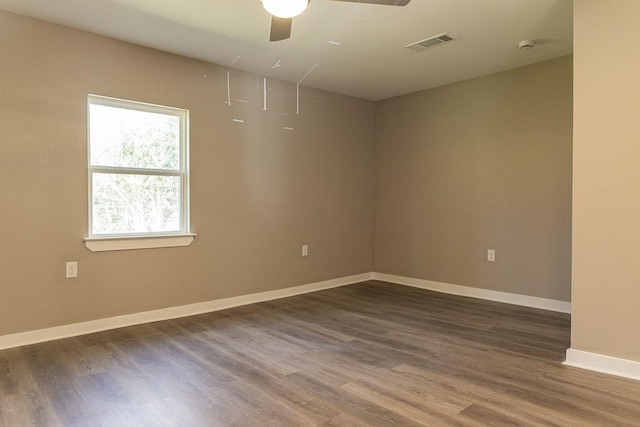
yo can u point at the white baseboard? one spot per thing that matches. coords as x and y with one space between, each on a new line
601 363
486 294
66 331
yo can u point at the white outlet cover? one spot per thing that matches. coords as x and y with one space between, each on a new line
72 269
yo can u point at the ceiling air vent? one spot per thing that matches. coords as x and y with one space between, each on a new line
432 42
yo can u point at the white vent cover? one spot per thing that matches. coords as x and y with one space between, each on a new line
432 42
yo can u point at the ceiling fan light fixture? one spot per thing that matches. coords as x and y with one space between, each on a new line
285 8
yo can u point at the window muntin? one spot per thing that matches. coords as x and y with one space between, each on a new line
138 169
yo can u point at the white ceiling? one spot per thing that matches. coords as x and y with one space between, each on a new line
371 63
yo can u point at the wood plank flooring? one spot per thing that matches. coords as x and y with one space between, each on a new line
371 354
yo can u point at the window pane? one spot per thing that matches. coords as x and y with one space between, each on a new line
135 139
125 203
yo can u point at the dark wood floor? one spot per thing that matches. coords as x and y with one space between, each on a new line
371 354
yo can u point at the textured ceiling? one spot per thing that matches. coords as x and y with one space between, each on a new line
370 63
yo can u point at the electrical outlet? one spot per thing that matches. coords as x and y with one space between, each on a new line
72 269
305 250
491 255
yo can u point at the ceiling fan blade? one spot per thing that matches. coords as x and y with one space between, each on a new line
384 2
280 28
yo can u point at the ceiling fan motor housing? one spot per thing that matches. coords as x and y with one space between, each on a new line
283 11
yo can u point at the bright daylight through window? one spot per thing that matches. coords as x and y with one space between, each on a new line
138 169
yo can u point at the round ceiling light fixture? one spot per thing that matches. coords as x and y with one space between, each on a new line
285 8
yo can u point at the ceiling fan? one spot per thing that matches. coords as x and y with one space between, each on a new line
283 11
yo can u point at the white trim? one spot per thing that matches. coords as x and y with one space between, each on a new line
66 331
182 172
606 364
486 294
103 244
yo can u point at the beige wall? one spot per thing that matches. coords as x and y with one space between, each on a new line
606 197
258 192
484 163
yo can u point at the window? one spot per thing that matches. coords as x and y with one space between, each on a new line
138 170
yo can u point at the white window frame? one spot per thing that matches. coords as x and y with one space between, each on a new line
142 240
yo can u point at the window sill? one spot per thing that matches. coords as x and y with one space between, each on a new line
104 244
